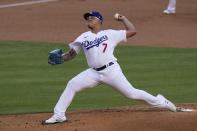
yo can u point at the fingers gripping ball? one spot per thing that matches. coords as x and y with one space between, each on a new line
116 16
55 57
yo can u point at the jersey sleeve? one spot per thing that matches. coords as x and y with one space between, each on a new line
119 36
76 45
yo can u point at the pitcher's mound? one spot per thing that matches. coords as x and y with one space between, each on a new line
135 118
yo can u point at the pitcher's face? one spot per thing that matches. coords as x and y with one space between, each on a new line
92 21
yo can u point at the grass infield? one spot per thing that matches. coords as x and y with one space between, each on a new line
28 84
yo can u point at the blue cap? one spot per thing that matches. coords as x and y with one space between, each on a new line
93 13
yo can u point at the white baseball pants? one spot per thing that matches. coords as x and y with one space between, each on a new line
172 5
111 76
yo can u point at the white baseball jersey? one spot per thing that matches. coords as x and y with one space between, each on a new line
99 47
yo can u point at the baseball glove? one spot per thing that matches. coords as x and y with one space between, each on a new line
55 57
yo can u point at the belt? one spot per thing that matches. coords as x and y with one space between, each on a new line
103 67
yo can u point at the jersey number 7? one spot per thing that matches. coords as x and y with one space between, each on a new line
105 47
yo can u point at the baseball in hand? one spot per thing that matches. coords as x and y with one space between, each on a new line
116 16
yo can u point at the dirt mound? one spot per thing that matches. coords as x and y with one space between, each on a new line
135 118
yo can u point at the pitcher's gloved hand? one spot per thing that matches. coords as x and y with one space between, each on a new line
55 57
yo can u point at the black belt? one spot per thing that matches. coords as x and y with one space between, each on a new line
103 67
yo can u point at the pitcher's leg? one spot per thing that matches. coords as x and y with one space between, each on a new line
172 5
116 79
171 9
86 79
120 83
124 87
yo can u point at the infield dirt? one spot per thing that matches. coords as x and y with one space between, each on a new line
62 21
135 118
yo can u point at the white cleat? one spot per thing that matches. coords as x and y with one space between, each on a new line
182 109
168 12
167 104
55 119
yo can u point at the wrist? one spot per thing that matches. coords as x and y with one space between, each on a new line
124 18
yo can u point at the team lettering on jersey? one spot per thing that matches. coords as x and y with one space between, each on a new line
89 44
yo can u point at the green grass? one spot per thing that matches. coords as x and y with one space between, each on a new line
29 84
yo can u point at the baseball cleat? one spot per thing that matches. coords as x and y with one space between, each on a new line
182 109
168 12
55 119
167 104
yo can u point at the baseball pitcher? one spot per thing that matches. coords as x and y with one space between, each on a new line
98 46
